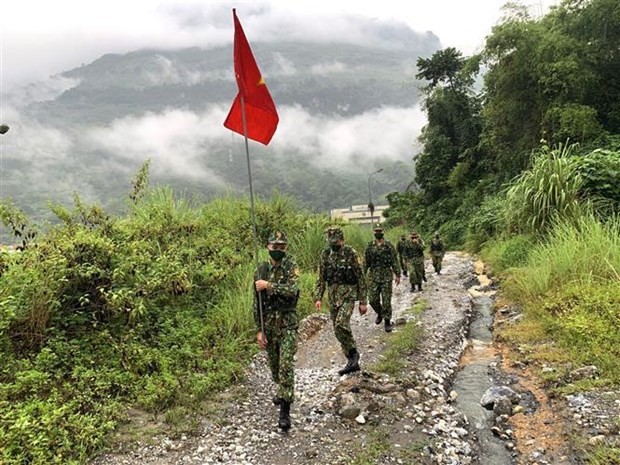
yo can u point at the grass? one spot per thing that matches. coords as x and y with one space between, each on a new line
568 287
400 344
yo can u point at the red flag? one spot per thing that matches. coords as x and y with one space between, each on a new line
260 111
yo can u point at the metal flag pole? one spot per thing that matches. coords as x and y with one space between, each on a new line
252 215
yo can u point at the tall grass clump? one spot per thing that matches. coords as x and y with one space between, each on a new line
308 242
504 254
585 251
549 190
569 287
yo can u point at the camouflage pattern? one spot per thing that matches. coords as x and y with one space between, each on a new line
400 247
414 253
340 273
278 237
335 234
280 320
381 264
437 252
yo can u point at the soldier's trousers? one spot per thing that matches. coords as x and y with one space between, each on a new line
281 350
437 259
416 270
340 313
380 298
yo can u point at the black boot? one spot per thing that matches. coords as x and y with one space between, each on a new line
285 415
352 363
420 287
388 326
276 400
412 288
378 320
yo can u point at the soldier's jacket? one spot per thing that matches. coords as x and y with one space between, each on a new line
382 261
413 250
280 299
437 247
341 272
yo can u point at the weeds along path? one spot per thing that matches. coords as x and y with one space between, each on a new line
398 409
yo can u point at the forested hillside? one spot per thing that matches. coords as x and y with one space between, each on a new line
548 82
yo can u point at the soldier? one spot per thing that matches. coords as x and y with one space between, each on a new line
381 263
277 291
437 252
340 271
415 258
400 247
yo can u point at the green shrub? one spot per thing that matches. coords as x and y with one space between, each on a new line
507 253
585 320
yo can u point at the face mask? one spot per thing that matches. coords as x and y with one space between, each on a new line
335 247
379 236
277 255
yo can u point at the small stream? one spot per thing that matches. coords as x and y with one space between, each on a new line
473 380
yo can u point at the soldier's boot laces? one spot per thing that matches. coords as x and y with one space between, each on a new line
285 415
388 326
352 363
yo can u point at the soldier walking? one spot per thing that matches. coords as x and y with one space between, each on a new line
415 258
277 292
381 264
437 252
340 272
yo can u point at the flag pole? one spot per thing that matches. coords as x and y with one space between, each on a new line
252 215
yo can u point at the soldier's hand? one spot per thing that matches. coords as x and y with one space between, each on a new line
318 305
397 279
363 308
261 284
262 340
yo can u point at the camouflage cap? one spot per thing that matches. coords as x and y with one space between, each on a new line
278 237
378 227
334 234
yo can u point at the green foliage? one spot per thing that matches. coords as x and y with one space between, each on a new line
549 190
583 252
444 66
402 344
585 321
573 122
508 253
486 223
600 171
151 310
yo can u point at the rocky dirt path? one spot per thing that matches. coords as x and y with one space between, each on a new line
368 417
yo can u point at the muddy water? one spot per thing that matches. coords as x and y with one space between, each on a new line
473 380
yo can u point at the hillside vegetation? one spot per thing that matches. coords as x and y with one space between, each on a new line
151 308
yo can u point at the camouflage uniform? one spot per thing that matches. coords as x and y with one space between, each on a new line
437 252
415 258
381 262
280 321
340 272
400 248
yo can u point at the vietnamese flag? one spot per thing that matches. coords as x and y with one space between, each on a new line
260 111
